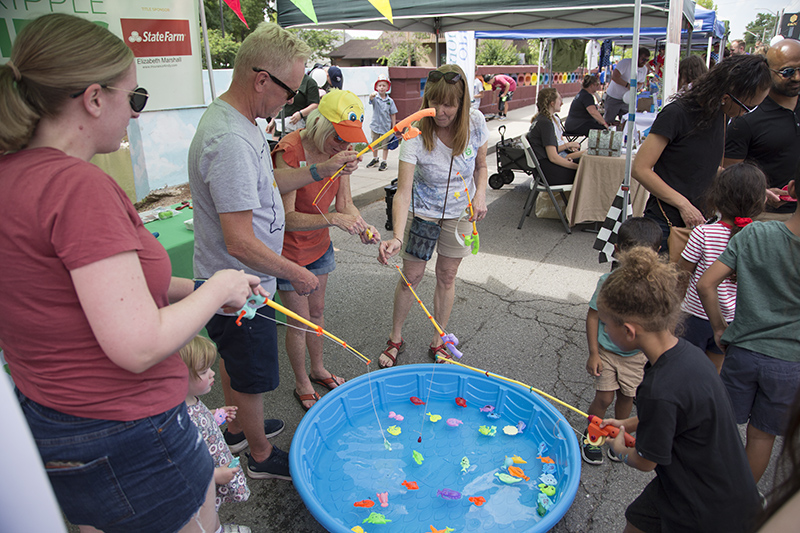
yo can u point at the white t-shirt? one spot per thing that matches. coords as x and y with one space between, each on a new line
615 90
705 245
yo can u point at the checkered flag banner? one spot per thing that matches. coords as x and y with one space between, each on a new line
607 236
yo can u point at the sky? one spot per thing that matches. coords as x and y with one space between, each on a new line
741 12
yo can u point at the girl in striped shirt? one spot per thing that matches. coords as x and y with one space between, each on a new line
737 195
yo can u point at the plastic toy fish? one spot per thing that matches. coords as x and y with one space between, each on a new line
486 409
493 416
521 426
546 460
357 529
394 430
519 460
505 478
549 490
418 457
383 497
464 464
416 401
445 530
234 463
449 494
542 448
454 422
376 518
508 461
488 431
477 500
544 504
510 430
517 472
434 418
220 416
549 468
394 415
410 485
364 503
548 479
461 402
387 445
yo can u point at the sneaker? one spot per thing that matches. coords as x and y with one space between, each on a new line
613 456
374 162
590 453
236 441
276 466
383 165
501 117
234 528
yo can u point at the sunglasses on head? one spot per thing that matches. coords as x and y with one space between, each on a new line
786 72
450 77
290 93
747 109
137 100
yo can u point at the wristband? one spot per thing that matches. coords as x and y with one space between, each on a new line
198 282
395 238
314 174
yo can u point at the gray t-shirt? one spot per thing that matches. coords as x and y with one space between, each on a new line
430 174
382 111
230 170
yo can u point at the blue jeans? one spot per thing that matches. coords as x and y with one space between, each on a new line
150 474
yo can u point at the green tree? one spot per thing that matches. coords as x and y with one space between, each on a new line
708 4
496 52
763 26
405 49
321 42
531 52
223 50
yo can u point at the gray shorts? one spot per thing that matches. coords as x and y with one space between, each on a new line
762 388
615 108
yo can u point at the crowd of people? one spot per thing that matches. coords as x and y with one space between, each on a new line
107 387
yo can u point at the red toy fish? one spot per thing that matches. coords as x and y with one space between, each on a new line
477 500
416 401
364 503
461 402
410 485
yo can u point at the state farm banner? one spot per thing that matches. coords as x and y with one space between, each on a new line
164 36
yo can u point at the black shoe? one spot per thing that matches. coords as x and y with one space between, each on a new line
613 456
236 441
374 162
590 453
276 466
383 166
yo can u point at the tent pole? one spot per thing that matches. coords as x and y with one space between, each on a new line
208 50
550 61
689 42
539 68
631 124
708 52
437 24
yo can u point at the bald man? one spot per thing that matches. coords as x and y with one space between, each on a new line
770 135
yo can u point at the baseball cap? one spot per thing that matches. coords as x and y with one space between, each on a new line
346 112
385 79
335 74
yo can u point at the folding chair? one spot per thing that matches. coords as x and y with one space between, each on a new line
539 184
574 137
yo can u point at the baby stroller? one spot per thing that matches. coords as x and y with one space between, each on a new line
510 157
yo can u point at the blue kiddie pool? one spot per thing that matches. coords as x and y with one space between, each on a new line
472 470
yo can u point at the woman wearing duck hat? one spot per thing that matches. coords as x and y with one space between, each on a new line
330 129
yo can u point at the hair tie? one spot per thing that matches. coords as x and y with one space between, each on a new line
14 70
742 221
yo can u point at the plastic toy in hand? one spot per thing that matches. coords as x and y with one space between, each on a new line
220 415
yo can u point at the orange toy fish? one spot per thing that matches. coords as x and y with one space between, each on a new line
364 503
477 500
410 485
517 472
546 460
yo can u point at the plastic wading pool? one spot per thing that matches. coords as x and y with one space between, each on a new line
338 456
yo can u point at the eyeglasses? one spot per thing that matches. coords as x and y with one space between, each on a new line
137 100
339 140
740 104
450 77
290 93
786 72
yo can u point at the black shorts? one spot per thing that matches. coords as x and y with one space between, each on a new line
642 512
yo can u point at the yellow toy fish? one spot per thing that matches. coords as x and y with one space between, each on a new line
394 430
519 460
434 418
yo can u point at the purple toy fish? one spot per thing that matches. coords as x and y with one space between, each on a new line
449 494
521 426
454 422
487 409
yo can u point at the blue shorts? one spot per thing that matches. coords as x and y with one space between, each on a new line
150 474
762 388
700 333
323 265
250 351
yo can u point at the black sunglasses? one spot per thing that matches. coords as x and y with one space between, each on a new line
786 72
747 109
137 100
290 93
450 77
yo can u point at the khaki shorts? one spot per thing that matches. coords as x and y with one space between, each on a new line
447 245
620 373
384 143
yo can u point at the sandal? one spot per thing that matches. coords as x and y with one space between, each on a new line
434 353
313 397
400 347
329 383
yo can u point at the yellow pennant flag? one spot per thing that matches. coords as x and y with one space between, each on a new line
384 7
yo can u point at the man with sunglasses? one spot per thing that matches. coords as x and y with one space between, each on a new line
239 222
770 135
507 86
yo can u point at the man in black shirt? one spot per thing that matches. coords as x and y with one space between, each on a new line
770 135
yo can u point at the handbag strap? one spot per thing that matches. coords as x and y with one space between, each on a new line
663 213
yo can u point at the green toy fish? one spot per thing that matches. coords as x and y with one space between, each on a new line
464 464
376 518
418 457
488 431
505 478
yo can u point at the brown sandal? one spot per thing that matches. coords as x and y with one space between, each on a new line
313 397
435 352
400 347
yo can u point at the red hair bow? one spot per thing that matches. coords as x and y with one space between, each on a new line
742 221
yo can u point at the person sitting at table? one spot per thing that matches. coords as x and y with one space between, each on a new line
331 128
583 113
680 157
543 138
689 70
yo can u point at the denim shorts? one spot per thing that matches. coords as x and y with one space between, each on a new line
762 388
700 333
150 474
250 351
323 265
